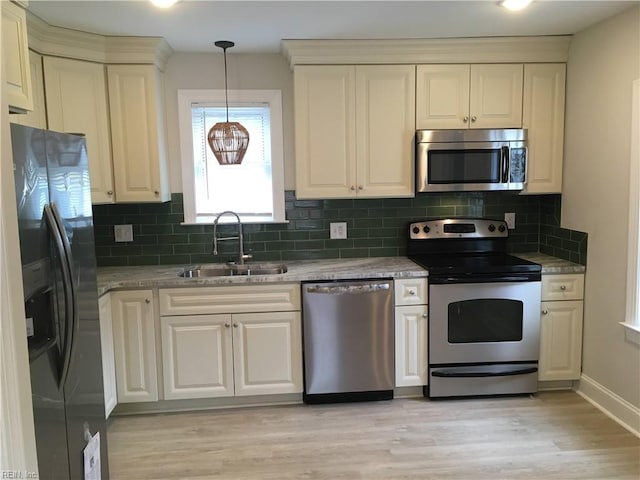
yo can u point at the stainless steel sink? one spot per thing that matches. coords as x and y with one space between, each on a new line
232 270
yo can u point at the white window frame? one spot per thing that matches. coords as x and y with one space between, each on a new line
632 318
187 97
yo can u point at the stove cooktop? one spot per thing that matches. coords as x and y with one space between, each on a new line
456 264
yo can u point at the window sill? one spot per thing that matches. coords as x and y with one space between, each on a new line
632 332
233 221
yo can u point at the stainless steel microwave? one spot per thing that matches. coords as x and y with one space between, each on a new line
471 160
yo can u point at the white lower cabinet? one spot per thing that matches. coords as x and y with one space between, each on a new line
221 354
108 360
135 345
561 327
411 330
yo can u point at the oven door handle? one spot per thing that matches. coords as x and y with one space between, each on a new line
489 371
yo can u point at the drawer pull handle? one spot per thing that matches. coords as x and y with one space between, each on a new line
563 287
412 292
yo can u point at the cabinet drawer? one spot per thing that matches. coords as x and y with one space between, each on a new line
410 291
230 299
563 287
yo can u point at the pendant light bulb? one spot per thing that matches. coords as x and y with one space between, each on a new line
228 140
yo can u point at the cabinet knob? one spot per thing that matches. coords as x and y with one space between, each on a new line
474 118
545 311
235 325
563 287
465 119
147 301
353 187
360 187
227 325
156 193
424 315
412 292
110 192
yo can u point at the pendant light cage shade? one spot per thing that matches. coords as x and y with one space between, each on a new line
228 140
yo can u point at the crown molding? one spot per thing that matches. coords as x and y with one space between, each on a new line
533 49
63 42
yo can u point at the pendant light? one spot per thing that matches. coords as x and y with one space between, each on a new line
228 140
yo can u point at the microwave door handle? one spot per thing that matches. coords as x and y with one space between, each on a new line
505 164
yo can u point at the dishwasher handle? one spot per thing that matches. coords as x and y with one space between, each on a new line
347 289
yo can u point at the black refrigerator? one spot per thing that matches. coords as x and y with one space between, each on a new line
53 199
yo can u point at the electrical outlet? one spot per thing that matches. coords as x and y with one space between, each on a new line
510 218
338 230
123 233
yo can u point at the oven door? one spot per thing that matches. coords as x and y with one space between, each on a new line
471 166
474 323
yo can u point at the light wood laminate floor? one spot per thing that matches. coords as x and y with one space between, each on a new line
552 435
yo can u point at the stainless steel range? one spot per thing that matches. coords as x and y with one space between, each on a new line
484 308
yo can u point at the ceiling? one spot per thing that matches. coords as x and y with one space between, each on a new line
258 26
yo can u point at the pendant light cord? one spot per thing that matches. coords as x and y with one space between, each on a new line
226 91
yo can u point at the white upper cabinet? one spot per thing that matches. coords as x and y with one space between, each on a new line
543 116
354 131
469 96
76 102
15 55
138 133
37 118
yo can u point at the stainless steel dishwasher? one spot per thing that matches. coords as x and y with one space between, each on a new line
348 332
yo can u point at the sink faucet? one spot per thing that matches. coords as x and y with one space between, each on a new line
241 255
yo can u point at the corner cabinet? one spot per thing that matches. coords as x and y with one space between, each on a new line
136 101
561 327
469 96
108 355
411 330
231 341
135 345
354 131
15 55
543 116
76 102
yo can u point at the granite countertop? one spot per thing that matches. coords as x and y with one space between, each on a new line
552 265
110 278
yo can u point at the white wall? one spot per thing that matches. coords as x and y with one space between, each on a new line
603 62
245 71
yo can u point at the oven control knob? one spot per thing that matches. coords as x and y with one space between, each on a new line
426 229
501 228
492 228
416 230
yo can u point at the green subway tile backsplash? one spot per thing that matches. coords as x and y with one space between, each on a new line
375 228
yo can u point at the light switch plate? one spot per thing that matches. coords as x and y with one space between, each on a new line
338 230
123 233
510 218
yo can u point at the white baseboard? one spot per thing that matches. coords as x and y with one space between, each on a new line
611 404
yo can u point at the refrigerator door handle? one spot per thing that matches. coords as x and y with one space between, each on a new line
51 213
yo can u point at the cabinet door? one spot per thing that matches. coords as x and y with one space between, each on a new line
325 139
385 116
76 100
411 346
496 96
543 116
15 54
135 346
36 118
138 133
267 353
561 340
108 355
442 96
197 359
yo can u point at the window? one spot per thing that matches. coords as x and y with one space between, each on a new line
253 189
633 265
